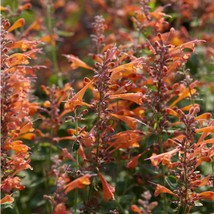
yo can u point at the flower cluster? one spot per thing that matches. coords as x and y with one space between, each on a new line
16 107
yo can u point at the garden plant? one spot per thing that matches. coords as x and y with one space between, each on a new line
107 106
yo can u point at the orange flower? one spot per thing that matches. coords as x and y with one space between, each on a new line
76 100
204 116
208 195
133 162
186 92
76 62
49 39
187 108
66 154
124 70
12 183
60 209
172 112
16 107
17 59
27 136
203 182
209 129
204 142
126 139
24 44
130 121
47 104
19 164
161 189
135 209
108 190
36 25
78 183
19 23
157 159
139 112
205 134
134 97
26 6
6 199
88 139
81 152
27 127
17 146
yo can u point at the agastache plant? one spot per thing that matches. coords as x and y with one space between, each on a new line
106 106
17 109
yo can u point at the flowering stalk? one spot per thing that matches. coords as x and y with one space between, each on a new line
16 108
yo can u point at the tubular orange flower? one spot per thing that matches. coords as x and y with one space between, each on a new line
16 59
51 39
76 100
126 139
209 129
26 6
187 108
12 183
20 164
133 162
202 182
27 136
135 209
7 199
209 195
19 23
78 183
183 94
134 97
17 146
157 159
16 107
208 141
172 112
108 190
81 152
130 121
66 154
204 116
27 127
36 25
161 189
60 209
76 62
24 44
124 70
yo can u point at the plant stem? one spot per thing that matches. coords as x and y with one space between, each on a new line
77 162
178 211
16 207
53 44
119 206
163 173
98 134
76 128
185 175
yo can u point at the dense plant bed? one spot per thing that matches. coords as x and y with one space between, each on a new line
106 106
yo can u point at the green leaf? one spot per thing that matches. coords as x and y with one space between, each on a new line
53 80
171 181
36 183
198 204
65 33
